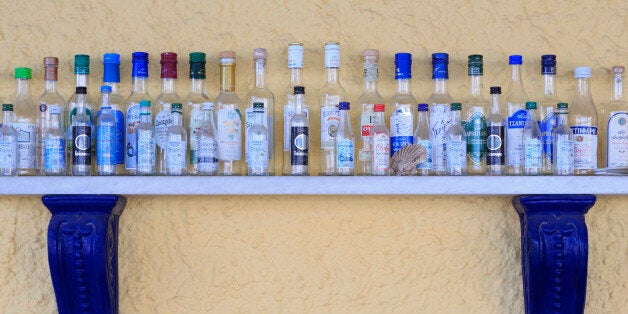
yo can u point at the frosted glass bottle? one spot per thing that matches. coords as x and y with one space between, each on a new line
330 96
369 97
583 121
515 100
614 146
562 155
229 118
456 144
476 112
422 137
440 113
531 143
345 142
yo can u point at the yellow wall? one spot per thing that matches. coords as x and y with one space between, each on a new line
297 254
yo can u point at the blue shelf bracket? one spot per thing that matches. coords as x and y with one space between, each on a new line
554 251
83 251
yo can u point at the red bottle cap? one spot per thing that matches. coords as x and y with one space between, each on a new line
168 65
379 107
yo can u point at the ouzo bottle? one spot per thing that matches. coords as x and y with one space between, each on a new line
583 122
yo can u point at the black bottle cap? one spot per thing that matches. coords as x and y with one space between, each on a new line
496 90
81 90
299 90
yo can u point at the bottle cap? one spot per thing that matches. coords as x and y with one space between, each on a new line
81 64
403 65
144 103
531 105
496 90
50 68
168 65
23 73
111 58
371 55
258 105
51 62
440 60
176 105
515 59
379 107
81 90
476 65
295 56
582 72
7 107
259 53
618 69
332 54
562 105
422 107
299 90
344 105
197 57
548 64
111 64
54 109
197 65
105 89
208 105
456 106
227 54
140 64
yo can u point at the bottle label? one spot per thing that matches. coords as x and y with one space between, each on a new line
564 155
427 164
546 126
495 146
288 113
88 112
345 154
81 145
330 117
132 121
456 154
476 137
248 123
25 145
533 154
196 119
175 155
229 134
118 156
371 71
8 152
257 153
163 120
300 143
145 152
400 131
381 152
54 154
617 140
367 119
105 145
585 147
440 121
514 132
207 155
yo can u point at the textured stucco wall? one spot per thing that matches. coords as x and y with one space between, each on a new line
317 254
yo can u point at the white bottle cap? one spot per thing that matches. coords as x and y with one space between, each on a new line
332 54
208 105
295 56
582 72
54 109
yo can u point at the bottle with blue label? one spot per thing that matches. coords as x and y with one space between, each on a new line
476 112
546 108
54 144
440 114
345 142
193 111
515 100
402 102
8 143
456 144
615 123
145 141
563 158
422 137
583 122
111 78
106 139
176 144
139 93
532 143
257 136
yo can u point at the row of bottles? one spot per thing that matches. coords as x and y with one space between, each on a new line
237 138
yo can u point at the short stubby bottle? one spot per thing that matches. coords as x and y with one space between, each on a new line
476 111
207 146
330 96
295 65
380 139
532 143
111 78
163 107
8 143
368 99
229 118
176 144
193 112
515 101
299 136
49 98
345 142
106 136
495 157
440 115
82 136
139 93
563 158
25 124
583 122
257 137
456 144
547 119
422 138
402 102
54 163
145 141
615 123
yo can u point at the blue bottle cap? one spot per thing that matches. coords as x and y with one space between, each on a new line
422 107
440 70
403 65
105 89
515 59
111 71
111 58
548 64
343 105
140 64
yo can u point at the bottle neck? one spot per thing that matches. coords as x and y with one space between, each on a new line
145 116
167 86
563 117
82 79
548 85
51 86
583 87
371 77
298 99
208 117
114 86
404 86
295 77
176 117
55 121
105 100
197 86
379 118
80 104
106 110
618 87
515 72
440 86
455 117
332 75
8 118
260 73
227 78
476 85
139 85
22 87
259 116
495 104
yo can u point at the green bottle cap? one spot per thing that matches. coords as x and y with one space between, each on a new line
562 105
197 57
476 65
456 106
23 73
144 103
258 105
176 105
7 107
197 65
531 105
81 64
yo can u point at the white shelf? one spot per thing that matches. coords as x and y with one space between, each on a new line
468 185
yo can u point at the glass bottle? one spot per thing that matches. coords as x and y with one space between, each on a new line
49 98
176 144
25 124
440 115
345 142
145 137
380 138
515 106
257 137
54 143
299 136
583 122
207 152
106 136
331 95
168 96
193 112
563 158
402 119
229 118
111 78
532 143
456 144
615 116
82 130
422 137
81 70
262 94
139 76
495 157
547 119
368 99
8 143
476 111
295 65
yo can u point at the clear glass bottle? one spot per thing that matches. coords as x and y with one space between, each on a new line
193 112
367 100
331 95
111 78
168 96
25 124
583 122
229 118
476 111
54 162
81 71
456 144
380 138
547 119
515 101
145 137
422 137
49 98
440 114
532 143
8 143
176 144
299 136
563 158
262 94
257 138
207 152
345 142
495 157
106 136
615 115
82 136
402 102
295 65
139 76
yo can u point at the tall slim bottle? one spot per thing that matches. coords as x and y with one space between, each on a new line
299 136
532 143
380 138
193 111
331 95
583 122
50 97
145 141
440 113
495 157
81 70
8 143
422 137
139 93
295 65
402 102
262 94
168 96
229 118
25 124
563 144
547 119
345 142
54 162
257 143
476 111
82 136
111 78
106 136
368 99
615 117
515 101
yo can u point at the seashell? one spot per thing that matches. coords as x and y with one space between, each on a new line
404 161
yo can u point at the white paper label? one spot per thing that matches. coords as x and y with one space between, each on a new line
229 134
330 117
617 140
440 121
25 145
163 120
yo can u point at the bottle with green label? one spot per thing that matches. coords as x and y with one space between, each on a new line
476 111
193 111
25 124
